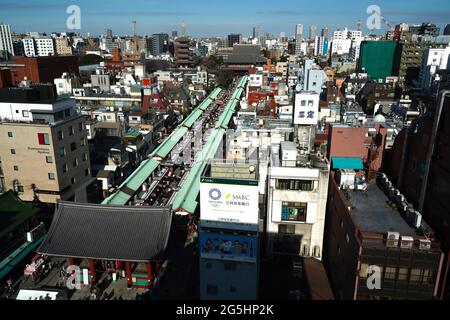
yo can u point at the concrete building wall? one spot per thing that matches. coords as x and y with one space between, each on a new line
6 43
32 164
236 283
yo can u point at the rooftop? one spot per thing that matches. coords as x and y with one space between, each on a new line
126 233
371 212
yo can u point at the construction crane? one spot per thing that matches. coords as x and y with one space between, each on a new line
183 28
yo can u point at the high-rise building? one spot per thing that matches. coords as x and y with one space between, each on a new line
63 46
229 233
29 47
447 30
233 39
255 33
160 42
109 33
40 46
312 32
6 43
377 59
298 31
324 32
174 34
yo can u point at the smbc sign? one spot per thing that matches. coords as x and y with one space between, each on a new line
226 205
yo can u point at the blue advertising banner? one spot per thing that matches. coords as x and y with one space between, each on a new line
228 247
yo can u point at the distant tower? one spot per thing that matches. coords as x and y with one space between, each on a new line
183 28
358 25
133 27
325 32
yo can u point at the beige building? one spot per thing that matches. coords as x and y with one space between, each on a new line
63 46
51 159
44 150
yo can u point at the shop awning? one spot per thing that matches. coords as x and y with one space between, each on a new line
347 163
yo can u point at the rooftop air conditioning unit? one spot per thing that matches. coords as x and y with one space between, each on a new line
406 242
417 219
392 239
404 206
424 244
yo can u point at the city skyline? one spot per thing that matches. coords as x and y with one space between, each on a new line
202 20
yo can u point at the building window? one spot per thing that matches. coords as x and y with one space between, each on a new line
13 151
62 151
73 146
293 211
16 168
403 274
25 113
428 276
212 289
84 156
71 131
230 265
286 228
364 271
60 135
416 275
75 162
82 142
43 139
290 184
389 273
80 126
51 176
49 159
64 168
73 180
10 135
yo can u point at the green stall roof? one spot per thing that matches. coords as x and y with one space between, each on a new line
170 142
13 212
192 118
133 182
347 163
186 198
17 256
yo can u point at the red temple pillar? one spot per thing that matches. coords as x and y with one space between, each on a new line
71 261
149 273
128 270
92 270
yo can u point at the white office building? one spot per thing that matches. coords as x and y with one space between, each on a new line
44 46
6 43
296 201
29 47
433 60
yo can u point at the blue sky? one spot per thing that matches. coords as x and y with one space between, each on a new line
215 17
